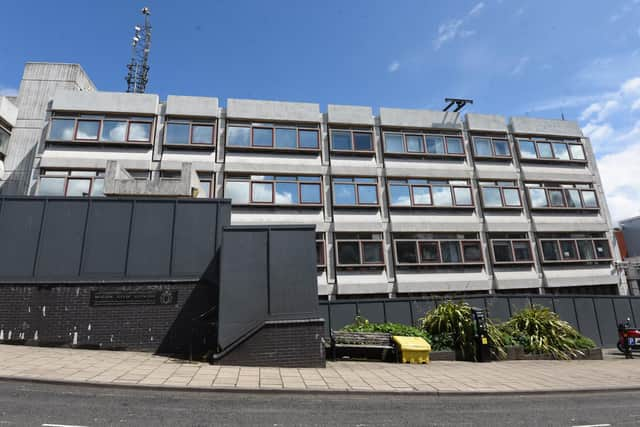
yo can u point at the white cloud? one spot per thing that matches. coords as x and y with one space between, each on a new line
600 111
393 67
519 12
598 133
635 105
620 182
8 91
476 9
522 62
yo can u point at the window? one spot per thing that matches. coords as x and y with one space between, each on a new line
429 193
273 137
485 146
71 183
500 194
566 196
508 251
436 249
550 150
575 250
206 185
273 190
423 144
321 259
100 129
355 191
189 133
359 250
351 140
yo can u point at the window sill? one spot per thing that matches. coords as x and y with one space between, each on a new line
427 156
553 161
580 261
511 263
347 207
181 147
441 264
495 158
554 209
86 143
502 208
272 205
306 151
445 208
352 153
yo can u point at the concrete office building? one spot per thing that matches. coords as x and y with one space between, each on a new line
405 203
628 237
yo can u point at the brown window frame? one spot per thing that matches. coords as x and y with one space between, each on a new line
565 198
503 199
493 147
273 127
406 153
352 133
68 177
413 204
361 243
322 253
191 124
356 186
128 121
513 251
418 242
539 158
77 125
273 183
577 251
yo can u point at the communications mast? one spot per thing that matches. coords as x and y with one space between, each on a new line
138 74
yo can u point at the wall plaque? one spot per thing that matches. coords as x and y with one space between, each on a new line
115 298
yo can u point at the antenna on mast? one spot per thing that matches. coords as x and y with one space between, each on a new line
138 74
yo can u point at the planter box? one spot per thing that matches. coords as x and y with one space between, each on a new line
516 352
443 356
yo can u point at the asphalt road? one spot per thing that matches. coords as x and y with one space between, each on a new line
32 404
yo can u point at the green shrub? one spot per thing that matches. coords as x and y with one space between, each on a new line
451 326
363 325
541 331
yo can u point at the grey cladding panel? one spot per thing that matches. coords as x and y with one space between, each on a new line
243 284
635 306
565 309
192 252
543 301
517 304
107 238
342 314
62 236
420 308
606 321
19 230
150 245
623 310
398 312
372 311
498 309
293 285
324 313
587 319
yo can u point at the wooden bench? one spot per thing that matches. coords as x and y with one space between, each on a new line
364 345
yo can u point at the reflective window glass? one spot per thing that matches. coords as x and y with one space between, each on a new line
544 148
589 198
348 253
573 198
262 137
261 192
577 152
286 193
450 252
362 141
483 147
602 249
502 251
522 251
585 249
561 151
491 197
140 132
51 186
399 195
568 249
345 194
393 143
550 250
454 145
511 197
502 147
463 196
98 187
204 191
310 193
471 252
62 129
407 252
556 198
202 134
177 133
78 187
88 129
415 144
435 144
238 192
429 252
114 131
308 138
340 140
286 138
421 195
372 253
239 136
538 197
527 149
368 194
442 195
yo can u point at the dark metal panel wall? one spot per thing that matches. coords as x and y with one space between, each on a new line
587 319
107 239
192 251
623 311
606 321
151 237
566 310
19 229
372 311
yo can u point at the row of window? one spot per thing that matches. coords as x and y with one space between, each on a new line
442 249
304 138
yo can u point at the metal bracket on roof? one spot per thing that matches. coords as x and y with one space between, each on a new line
459 102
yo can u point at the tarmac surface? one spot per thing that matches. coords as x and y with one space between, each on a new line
136 369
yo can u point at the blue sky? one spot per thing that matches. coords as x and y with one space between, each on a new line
513 57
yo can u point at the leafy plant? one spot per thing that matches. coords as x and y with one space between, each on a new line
363 325
540 330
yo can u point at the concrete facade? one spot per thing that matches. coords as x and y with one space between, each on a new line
461 170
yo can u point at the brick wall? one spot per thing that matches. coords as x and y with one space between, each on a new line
294 344
62 315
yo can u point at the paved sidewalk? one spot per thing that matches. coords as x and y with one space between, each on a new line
143 369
